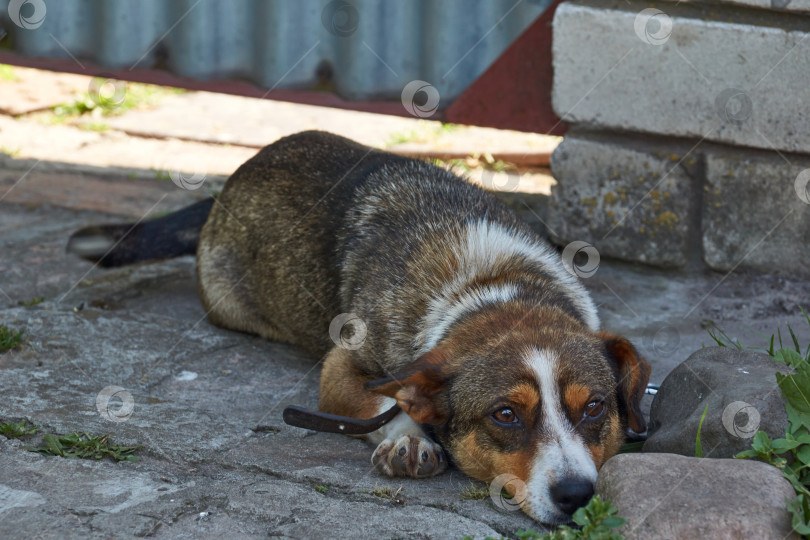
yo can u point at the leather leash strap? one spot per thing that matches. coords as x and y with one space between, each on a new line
332 423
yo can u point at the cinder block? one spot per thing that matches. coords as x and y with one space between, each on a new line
691 71
772 5
756 211
629 200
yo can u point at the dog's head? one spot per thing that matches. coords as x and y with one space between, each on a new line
530 394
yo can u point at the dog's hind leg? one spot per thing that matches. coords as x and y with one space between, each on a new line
403 449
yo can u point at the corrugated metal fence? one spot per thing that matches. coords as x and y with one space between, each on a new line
364 49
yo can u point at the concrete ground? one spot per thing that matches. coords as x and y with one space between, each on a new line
217 458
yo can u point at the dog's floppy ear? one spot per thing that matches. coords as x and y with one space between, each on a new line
416 389
632 376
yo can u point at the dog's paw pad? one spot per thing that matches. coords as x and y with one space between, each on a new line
409 456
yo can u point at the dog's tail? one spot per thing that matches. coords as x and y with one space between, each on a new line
168 236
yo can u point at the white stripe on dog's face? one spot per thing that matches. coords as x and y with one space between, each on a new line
562 454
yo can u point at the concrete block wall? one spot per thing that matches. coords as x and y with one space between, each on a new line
690 132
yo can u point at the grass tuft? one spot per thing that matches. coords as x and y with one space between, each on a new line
9 339
11 430
85 446
474 492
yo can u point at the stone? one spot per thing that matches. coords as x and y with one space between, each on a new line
740 390
756 211
691 71
675 497
628 199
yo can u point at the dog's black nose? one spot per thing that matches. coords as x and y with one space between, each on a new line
570 494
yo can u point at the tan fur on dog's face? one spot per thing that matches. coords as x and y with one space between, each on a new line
509 391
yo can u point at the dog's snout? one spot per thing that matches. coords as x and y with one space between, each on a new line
571 493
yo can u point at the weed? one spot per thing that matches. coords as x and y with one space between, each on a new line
795 389
474 492
85 446
596 521
11 152
32 302
162 175
135 96
698 445
382 491
9 339
387 492
95 126
15 431
321 488
7 73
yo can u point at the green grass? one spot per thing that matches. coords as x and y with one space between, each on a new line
85 446
99 127
595 521
11 430
110 100
387 492
790 454
11 152
698 444
7 73
474 492
9 339
322 489
32 302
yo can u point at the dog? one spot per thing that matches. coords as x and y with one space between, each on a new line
454 309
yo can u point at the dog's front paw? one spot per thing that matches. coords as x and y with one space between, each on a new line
409 456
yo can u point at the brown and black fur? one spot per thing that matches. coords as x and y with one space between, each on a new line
315 226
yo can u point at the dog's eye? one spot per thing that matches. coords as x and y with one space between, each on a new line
594 409
505 415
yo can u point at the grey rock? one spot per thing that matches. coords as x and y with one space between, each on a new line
628 199
740 390
675 497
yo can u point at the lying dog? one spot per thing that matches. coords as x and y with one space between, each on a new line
461 314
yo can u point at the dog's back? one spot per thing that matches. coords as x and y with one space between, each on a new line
316 225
